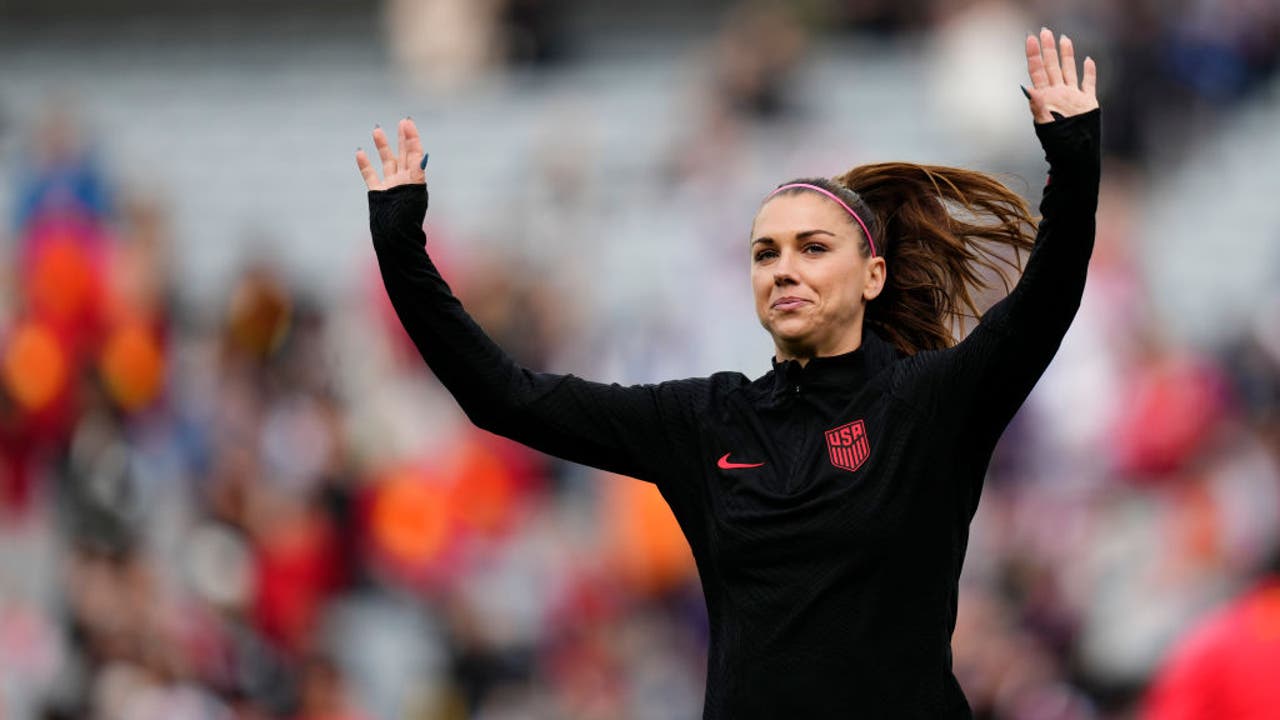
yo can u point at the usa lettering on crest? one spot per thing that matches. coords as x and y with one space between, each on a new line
848 445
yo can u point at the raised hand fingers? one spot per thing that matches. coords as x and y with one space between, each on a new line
1090 85
1035 64
401 164
413 146
384 151
402 145
366 170
1050 52
1057 89
1068 62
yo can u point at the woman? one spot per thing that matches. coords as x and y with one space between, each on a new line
828 502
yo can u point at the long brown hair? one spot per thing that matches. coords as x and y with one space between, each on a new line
939 229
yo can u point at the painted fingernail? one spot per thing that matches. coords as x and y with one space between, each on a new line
377 126
1025 91
423 165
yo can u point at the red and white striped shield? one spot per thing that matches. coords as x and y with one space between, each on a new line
848 445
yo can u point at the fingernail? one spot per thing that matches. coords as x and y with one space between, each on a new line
359 149
377 126
408 117
1025 91
423 166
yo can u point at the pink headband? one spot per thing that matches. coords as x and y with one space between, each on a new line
833 196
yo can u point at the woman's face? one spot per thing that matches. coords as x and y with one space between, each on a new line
809 277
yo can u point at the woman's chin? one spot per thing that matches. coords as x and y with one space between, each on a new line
788 333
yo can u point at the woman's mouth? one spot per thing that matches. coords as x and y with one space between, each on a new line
788 303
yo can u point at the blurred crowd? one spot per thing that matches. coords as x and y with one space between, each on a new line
245 511
267 508
1174 65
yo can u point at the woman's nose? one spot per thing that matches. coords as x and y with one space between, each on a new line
782 273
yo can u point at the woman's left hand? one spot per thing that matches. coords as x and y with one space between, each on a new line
1055 87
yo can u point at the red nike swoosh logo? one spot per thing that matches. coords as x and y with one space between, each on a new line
726 465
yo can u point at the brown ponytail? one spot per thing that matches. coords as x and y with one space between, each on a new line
938 229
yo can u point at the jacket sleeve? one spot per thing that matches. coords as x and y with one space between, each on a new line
979 384
633 430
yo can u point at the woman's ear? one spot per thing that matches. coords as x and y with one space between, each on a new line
875 278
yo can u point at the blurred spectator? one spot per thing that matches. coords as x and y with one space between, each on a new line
535 32
972 85
445 45
1225 666
60 175
882 18
324 693
756 55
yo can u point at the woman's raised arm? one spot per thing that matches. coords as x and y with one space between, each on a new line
982 381
644 431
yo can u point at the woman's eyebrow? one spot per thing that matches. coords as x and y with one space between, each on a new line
799 236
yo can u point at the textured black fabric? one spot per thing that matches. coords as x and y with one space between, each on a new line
829 561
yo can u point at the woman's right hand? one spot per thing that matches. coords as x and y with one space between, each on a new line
402 167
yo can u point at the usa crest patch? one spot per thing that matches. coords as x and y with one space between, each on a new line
848 445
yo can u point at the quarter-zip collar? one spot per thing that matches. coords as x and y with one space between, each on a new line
850 369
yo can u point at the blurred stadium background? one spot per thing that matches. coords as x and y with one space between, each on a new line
230 489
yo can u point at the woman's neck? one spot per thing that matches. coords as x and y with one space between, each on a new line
803 353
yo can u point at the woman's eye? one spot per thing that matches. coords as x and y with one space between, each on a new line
815 248
764 255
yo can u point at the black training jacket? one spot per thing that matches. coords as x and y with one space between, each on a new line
827 505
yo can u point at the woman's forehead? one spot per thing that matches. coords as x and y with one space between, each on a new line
788 215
